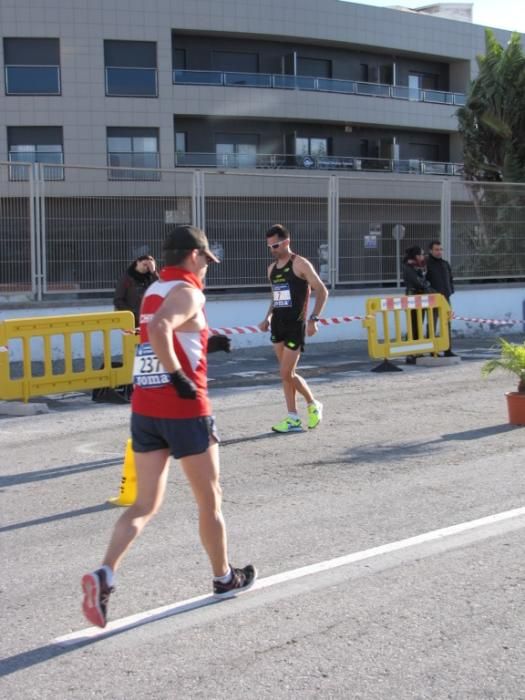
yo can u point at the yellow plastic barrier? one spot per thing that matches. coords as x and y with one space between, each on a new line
59 331
390 319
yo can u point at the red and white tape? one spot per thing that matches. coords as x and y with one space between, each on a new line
492 321
393 304
245 330
417 301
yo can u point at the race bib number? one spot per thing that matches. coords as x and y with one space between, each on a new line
147 369
281 295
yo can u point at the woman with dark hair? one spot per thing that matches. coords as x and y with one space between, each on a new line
415 279
128 297
131 287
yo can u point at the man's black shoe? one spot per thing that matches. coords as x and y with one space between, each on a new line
241 580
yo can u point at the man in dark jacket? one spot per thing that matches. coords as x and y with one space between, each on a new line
131 287
439 274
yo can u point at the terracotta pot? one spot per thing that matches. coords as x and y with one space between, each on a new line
516 406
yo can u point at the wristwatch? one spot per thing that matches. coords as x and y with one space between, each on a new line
314 318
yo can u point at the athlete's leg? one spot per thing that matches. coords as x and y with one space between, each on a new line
293 382
202 471
289 391
152 474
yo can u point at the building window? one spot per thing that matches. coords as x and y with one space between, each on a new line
32 66
131 68
179 59
180 147
236 150
130 148
35 144
314 67
235 62
311 147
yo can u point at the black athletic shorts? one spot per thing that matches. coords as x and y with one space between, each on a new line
291 333
182 436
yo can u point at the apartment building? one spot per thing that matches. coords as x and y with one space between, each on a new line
262 83
120 118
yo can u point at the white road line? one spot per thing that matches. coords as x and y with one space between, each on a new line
125 623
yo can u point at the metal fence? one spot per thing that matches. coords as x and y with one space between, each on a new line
75 235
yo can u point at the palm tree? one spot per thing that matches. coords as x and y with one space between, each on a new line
492 122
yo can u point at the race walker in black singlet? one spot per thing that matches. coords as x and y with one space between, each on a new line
291 295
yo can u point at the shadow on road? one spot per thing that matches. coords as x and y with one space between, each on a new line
481 432
55 472
57 516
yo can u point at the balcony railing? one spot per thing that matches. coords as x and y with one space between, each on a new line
134 166
281 161
19 173
131 82
302 82
32 80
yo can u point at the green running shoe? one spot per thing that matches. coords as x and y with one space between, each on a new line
315 414
288 425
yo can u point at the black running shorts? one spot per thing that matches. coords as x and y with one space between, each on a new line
291 333
182 436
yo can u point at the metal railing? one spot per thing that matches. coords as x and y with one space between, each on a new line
133 166
32 80
131 82
77 237
303 82
19 173
275 161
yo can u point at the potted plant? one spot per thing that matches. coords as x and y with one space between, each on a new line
511 359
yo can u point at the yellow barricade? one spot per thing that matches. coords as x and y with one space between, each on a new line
406 325
57 372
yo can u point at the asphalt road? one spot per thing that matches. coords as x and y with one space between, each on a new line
397 456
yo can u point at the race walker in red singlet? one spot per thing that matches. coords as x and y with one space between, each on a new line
153 393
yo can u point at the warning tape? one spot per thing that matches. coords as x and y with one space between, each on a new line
492 321
337 320
417 301
245 330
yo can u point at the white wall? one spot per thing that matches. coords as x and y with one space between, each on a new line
487 303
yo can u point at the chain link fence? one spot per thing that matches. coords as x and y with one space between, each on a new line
76 234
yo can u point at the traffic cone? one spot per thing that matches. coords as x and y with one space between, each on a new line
128 483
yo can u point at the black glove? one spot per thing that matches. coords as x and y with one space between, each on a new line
219 342
184 387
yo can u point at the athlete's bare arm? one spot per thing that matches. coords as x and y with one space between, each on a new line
265 324
179 311
303 268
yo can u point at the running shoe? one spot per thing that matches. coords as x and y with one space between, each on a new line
96 597
288 425
315 414
241 580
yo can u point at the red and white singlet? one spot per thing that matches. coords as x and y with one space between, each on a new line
153 393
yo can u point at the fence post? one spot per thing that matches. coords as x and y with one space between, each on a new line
446 219
198 215
33 224
333 230
37 222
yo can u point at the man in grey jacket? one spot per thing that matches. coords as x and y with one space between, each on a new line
439 274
